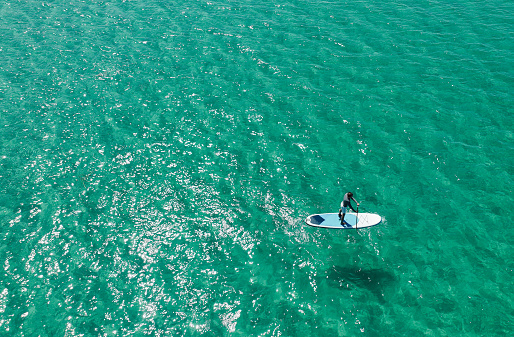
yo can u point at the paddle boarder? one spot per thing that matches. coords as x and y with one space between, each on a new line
345 204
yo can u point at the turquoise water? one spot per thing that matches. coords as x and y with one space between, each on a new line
158 159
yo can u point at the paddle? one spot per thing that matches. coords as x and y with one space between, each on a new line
357 219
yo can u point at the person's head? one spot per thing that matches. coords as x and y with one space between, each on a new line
350 194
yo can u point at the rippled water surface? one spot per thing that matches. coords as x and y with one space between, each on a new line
158 159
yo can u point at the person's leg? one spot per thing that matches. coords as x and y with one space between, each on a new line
343 212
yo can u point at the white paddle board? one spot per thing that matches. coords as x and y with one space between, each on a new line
351 220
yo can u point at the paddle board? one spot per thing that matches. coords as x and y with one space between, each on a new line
351 221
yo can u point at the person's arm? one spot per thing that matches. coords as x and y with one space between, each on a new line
355 202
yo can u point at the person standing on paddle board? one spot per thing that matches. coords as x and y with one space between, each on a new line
345 204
